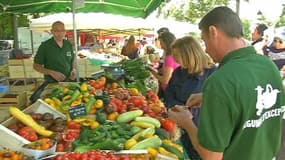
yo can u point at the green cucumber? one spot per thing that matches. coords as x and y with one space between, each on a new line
129 116
173 150
162 133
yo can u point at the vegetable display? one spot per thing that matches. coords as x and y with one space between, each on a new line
124 115
13 155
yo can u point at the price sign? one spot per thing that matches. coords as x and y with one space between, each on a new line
77 111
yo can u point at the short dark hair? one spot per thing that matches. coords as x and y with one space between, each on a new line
161 30
56 23
225 19
261 28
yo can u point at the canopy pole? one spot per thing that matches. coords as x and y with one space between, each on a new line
15 30
32 42
75 41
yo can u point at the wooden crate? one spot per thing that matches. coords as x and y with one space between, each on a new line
81 67
28 62
16 68
30 72
15 62
16 71
14 99
91 69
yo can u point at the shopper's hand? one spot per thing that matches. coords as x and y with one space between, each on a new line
181 115
57 76
73 74
194 101
151 69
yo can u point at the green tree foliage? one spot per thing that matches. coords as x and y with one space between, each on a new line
6 24
246 29
193 10
281 21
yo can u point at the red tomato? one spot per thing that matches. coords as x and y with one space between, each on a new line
25 130
73 125
77 156
124 157
28 133
168 124
74 134
69 137
60 147
92 82
32 137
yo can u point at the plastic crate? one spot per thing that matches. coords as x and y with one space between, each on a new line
13 141
4 56
4 88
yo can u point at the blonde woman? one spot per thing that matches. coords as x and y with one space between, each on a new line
130 50
195 67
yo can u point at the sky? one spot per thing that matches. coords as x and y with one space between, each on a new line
271 9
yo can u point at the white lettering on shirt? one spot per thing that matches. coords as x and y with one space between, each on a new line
256 123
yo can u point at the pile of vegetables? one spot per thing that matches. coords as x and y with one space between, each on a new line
41 144
118 117
100 155
135 75
13 155
108 136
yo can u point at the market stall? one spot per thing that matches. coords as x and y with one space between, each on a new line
118 114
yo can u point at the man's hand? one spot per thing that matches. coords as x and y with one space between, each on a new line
73 74
181 115
57 75
195 100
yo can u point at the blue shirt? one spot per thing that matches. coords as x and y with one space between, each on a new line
180 87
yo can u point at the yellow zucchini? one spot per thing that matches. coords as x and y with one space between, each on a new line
29 121
142 124
163 151
144 133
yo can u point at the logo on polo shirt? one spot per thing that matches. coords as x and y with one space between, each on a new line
68 53
266 99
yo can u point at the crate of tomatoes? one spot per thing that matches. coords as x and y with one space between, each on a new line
36 121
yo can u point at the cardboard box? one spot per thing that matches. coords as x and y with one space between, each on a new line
10 139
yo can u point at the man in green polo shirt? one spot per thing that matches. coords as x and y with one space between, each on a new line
243 102
55 58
